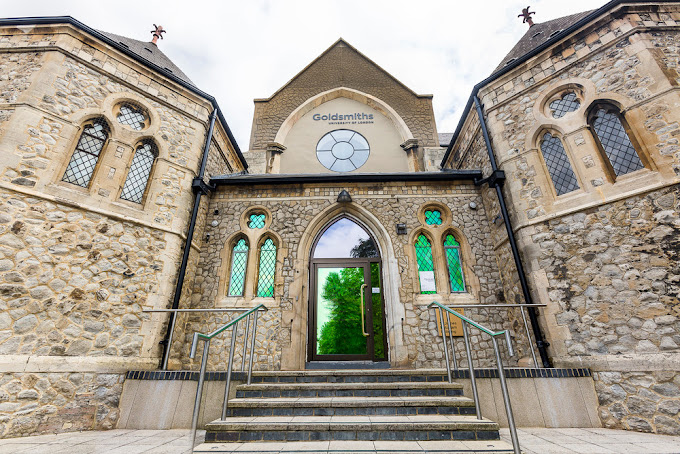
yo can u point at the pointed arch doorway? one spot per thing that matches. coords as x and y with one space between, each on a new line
347 310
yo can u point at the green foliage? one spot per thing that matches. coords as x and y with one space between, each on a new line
341 334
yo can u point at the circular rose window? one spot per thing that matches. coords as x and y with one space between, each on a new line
342 150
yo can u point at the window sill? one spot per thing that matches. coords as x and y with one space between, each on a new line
445 298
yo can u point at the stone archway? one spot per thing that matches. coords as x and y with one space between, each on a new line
294 356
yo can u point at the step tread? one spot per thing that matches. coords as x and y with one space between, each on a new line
347 372
348 386
325 402
363 423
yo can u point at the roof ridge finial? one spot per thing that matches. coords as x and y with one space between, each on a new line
526 14
157 33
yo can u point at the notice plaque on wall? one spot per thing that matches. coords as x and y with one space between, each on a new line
427 281
456 323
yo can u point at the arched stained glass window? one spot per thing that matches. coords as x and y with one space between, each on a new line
454 264
610 132
239 260
556 160
425 265
138 175
85 157
265 277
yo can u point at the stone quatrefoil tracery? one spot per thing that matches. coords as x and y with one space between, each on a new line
568 103
132 115
343 150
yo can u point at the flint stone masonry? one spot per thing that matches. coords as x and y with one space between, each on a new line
42 403
642 401
74 282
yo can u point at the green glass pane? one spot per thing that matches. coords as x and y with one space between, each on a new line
424 256
452 249
433 217
265 278
451 241
238 268
338 316
256 221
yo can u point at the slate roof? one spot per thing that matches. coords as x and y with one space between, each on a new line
538 34
445 138
150 52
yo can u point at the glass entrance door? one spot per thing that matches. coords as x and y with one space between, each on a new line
343 323
346 319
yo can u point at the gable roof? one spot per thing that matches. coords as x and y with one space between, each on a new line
341 43
539 34
149 51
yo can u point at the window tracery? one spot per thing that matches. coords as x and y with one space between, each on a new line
86 155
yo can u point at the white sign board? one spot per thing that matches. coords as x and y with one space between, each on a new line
427 281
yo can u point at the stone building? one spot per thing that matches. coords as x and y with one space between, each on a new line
558 188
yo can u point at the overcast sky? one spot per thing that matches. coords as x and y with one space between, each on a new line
241 50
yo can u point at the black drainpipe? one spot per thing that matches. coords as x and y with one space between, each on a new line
199 187
496 180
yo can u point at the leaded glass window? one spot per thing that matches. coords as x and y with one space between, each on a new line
425 265
558 164
239 260
454 264
568 103
615 141
433 217
138 175
84 159
132 115
256 221
265 277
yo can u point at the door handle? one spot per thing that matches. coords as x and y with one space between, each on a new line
363 331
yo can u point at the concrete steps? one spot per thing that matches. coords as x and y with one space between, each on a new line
359 405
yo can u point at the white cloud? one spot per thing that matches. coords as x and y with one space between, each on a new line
241 50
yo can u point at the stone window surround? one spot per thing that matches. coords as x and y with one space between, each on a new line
123 102
255 239
118 134
569 125
436 235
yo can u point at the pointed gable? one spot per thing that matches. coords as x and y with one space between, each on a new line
341 65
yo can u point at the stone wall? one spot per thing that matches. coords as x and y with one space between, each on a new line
293 209
47 403
643 401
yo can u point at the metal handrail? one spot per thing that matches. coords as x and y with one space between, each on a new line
206 338
501 373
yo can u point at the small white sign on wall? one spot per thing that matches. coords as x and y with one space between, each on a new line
427 281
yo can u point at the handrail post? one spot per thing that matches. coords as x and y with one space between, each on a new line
506 398
245 345
252 346
199 391
446 348
234 332
471 369
453 348
531 343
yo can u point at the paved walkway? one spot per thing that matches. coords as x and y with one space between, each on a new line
533 441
